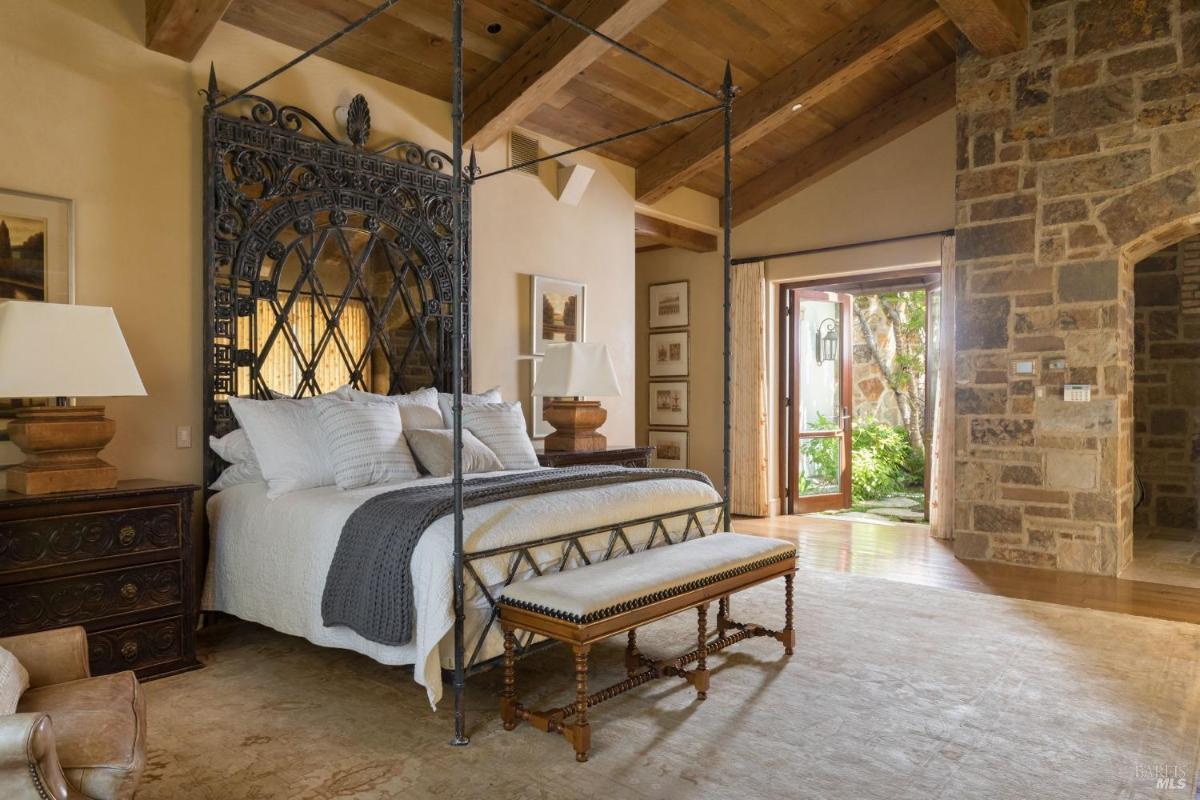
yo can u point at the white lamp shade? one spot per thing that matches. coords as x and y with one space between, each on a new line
58 350
577 370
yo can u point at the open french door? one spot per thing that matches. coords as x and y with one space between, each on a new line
816 382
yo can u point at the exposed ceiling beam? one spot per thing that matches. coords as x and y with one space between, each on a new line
885 123
655 231
179 27
848 54
995 27
544 64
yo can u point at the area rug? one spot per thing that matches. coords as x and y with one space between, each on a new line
895 691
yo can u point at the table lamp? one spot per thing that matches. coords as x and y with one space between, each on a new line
568 372
60 351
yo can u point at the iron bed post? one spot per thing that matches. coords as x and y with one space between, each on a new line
727 92
456 197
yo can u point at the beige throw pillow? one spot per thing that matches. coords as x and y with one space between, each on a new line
14 680
435 450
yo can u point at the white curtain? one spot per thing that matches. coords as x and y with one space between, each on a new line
941 450
749 495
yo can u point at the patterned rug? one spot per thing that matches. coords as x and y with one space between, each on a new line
895 691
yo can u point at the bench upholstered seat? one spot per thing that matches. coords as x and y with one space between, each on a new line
623 584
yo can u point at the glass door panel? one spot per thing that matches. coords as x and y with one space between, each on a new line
818 403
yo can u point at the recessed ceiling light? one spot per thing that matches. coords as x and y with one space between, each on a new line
798 106
495 28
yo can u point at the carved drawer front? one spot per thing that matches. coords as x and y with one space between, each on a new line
135 646
84 537
68 601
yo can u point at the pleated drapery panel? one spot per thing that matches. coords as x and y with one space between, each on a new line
941 449
750 494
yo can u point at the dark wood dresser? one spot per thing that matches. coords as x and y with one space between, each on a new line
617 456
118 561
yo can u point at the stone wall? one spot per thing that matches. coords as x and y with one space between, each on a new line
1166 391
872 396
1076 157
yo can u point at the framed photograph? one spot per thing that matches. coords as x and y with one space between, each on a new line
668 354
538 427
670 448
669 305
669 403
558 308
37 255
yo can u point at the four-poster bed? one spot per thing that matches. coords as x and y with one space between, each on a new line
329 262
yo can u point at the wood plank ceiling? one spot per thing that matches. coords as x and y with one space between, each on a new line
859 71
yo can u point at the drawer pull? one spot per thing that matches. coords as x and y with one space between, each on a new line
129 650
129 591
127 534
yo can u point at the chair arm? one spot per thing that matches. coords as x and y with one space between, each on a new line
51 657
29 768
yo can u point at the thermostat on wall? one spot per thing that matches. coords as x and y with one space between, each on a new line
1077 392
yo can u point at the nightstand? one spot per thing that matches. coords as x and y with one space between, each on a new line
118 561
617 456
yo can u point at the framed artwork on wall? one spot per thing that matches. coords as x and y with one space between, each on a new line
670 448
669 305
558 308
37 263
669 403
668 354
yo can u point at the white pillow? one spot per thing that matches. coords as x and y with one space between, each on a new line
418 409
446 402
366 443
287 440
243 467
14 680
501 426
435 450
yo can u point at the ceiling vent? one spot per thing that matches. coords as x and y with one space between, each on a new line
521 149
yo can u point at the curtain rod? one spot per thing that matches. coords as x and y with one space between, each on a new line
834 247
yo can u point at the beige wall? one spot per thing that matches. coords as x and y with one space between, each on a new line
92 115
905 187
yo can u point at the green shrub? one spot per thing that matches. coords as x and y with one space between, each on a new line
883 461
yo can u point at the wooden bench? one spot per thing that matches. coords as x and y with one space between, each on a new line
585 605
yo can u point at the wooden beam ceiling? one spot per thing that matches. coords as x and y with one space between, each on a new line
544 64
867 133
179 27
995 27
654 231
832 65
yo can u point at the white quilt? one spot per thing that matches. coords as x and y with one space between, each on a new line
269 558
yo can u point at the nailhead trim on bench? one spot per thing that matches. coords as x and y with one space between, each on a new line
645 600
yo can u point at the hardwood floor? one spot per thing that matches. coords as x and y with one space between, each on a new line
906 553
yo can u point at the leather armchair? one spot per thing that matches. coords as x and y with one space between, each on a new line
74 737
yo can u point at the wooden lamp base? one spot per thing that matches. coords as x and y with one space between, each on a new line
575 423
61 446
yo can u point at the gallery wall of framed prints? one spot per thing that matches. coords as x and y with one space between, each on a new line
668 368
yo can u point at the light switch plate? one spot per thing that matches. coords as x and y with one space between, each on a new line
183 437
1077 392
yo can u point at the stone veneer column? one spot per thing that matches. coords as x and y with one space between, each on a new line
1076 157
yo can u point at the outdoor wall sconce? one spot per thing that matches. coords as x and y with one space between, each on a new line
827 342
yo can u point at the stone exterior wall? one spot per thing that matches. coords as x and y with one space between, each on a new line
1077 156
1166 391
872 397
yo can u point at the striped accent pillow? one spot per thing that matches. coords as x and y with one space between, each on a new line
14 680
501 426
366 443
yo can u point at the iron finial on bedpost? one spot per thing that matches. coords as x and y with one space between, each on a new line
472 166
211 93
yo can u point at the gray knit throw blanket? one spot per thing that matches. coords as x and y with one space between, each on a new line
369 586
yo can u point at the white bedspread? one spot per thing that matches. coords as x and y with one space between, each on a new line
269 558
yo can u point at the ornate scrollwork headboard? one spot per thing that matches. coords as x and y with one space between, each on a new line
326 262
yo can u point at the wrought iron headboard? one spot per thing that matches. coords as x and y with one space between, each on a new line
325 262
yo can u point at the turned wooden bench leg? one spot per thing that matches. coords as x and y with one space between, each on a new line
722 616
700 678
789 630
633 660
581 736
508 709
